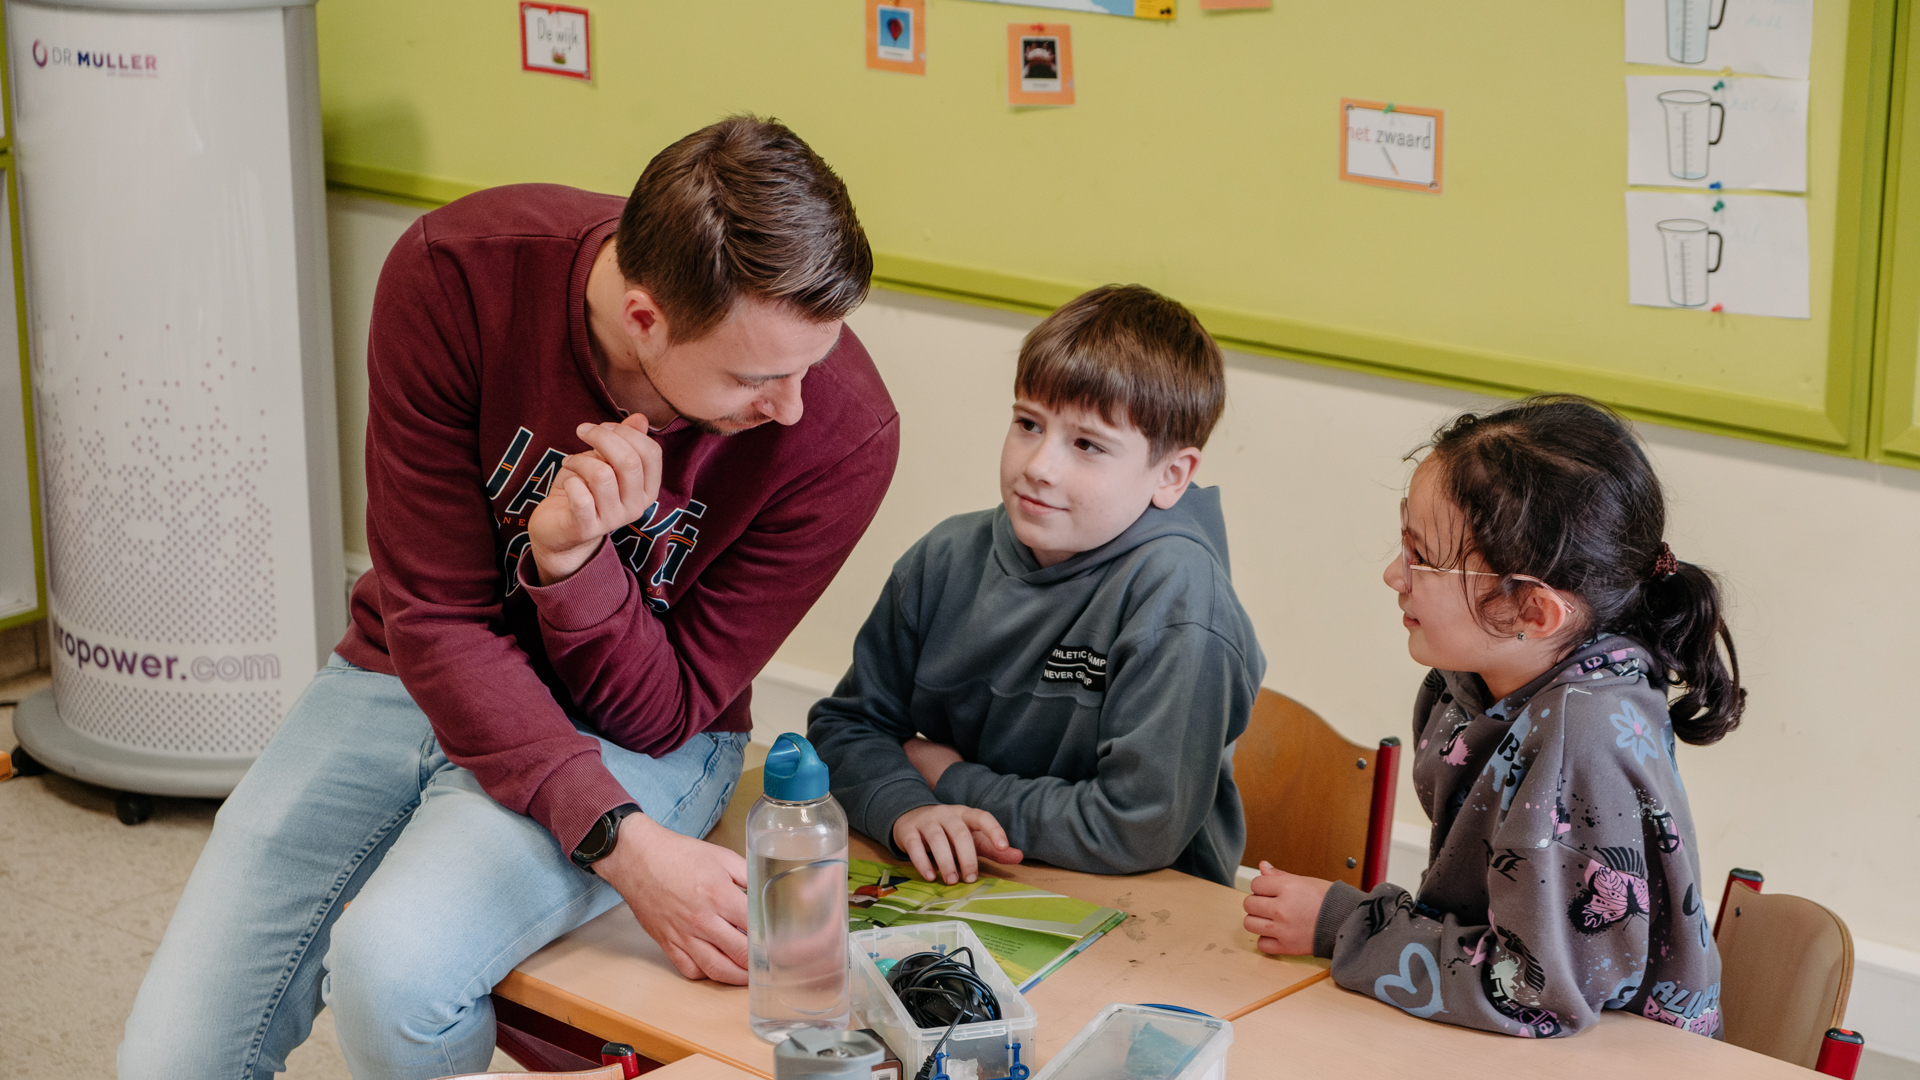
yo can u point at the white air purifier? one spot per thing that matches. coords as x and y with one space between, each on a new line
173 219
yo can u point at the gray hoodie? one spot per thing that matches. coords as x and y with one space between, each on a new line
1563 877
1093 700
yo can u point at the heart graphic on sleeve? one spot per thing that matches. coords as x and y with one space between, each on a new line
1404 981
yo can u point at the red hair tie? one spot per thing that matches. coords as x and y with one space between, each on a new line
1666 565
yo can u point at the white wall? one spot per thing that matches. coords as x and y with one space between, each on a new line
1818 789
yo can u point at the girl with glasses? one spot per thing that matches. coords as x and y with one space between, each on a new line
1569 649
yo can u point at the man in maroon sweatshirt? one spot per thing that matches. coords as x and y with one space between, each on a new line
614 453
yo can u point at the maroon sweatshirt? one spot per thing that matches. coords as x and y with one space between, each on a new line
479 372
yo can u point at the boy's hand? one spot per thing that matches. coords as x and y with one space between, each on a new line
953 838
593 494
1283 910
931 759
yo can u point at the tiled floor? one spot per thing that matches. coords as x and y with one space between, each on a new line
83 902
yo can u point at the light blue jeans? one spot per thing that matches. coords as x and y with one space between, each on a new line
354 801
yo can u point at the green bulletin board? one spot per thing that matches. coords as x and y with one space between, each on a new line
1896 427
1201 158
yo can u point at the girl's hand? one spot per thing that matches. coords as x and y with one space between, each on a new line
1283 910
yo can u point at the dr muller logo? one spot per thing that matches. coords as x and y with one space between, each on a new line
113 63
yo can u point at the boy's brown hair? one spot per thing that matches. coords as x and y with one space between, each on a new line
742 208
1128 348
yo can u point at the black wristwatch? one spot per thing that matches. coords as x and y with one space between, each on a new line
599 841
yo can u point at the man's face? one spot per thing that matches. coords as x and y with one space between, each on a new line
1072 481
746 372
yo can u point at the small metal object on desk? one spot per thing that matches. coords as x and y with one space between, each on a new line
821 1055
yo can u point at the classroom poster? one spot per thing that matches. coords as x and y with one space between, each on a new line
1751 37
1744 254
1703 130
1132 9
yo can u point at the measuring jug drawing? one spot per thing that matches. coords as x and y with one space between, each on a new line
1687 26
1689 117
1688 243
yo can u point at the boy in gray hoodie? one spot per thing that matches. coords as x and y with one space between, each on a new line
1061 677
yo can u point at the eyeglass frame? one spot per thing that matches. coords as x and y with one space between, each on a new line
1408 566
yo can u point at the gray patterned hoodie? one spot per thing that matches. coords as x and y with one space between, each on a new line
1563 878
1093 700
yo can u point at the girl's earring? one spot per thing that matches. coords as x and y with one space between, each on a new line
1522 635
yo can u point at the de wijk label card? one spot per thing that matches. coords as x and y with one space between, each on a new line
1698 131
1744 254
1749 37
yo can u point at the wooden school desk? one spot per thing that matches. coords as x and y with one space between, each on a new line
1327 1033
1183 946
699 1067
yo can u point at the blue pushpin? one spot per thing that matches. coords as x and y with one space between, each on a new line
1715 186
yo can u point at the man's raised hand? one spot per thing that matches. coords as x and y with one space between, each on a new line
594 493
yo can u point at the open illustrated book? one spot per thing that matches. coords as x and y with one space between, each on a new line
1031 932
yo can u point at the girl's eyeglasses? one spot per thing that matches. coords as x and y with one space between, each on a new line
1409 562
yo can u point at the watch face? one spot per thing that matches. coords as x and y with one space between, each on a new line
593 846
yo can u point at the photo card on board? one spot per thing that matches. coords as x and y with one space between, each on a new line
897 36
1039 64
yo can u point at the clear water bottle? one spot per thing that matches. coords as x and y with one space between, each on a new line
797 970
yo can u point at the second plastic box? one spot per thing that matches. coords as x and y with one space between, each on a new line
1145 1042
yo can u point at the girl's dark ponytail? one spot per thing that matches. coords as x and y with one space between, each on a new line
1557 488
1678 622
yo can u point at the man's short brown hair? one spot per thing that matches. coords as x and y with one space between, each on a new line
1127 348
740 208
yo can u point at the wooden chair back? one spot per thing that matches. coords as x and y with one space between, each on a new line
1312 802
1786 965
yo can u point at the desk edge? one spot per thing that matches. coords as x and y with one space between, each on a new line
569 1008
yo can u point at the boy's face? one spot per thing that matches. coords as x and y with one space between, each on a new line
1072 481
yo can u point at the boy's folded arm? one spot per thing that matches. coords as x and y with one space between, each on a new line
858 731
1170 704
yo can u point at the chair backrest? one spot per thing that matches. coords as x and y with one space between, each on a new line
1316 804
1786 965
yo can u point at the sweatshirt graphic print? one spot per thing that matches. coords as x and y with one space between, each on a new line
1563 876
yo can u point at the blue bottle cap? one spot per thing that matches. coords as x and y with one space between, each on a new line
794 772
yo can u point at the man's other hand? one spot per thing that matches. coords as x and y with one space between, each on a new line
689 895
593 494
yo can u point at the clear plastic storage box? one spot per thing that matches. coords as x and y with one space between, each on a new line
996 1045
1144 1042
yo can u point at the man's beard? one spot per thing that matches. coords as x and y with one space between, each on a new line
711 427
